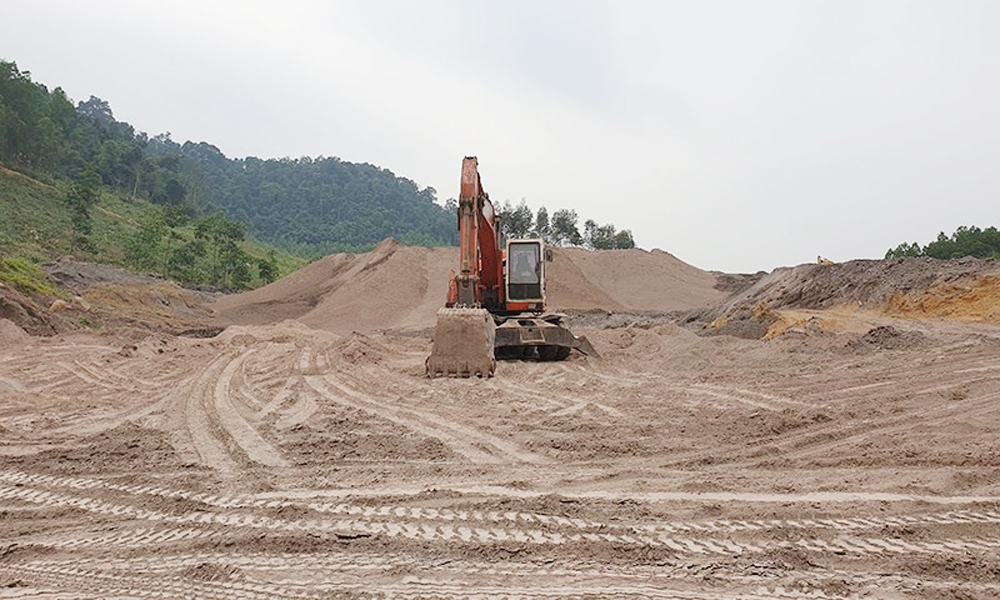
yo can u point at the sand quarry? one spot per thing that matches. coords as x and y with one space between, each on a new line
819 431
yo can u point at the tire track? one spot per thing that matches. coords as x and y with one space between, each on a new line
409 588
417 513
565 578
208 448
246 437
683 539
561 403
474 445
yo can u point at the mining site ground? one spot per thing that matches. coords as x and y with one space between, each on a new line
851 452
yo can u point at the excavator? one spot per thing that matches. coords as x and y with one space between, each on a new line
495 306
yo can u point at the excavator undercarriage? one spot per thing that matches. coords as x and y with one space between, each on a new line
468 341
537 336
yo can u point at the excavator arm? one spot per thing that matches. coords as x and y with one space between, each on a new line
465 333
479 282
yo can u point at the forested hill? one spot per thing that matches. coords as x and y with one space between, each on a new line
307 206
310 206
319 205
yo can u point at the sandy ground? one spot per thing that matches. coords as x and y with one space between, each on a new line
847 449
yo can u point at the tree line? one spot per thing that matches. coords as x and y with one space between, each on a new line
965 241
561 228
43 134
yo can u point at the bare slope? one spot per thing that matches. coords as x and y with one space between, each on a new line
864 291
401 287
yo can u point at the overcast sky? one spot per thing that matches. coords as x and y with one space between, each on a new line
738 136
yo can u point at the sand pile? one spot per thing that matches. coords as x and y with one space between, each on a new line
634 280
401 287
10 333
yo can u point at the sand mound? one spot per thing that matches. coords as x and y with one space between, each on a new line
401 288
10 333
282 332
628 280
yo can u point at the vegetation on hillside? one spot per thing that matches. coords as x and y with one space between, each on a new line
321 205
306 206
965 241
40 222
25 276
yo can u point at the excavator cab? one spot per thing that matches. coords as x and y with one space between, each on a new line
525 275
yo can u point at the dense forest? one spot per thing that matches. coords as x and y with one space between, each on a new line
308 206
966 241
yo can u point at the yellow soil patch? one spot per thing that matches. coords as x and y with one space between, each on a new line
842 319
969 299
974 299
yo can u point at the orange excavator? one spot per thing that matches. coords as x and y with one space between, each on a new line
496 301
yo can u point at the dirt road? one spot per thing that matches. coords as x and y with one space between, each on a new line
285 462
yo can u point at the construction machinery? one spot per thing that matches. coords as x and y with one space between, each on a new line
496 301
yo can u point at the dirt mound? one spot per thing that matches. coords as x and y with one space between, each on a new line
887 337
397 287
628 280
28 314
964 289
283 332
857 282
79 275
358 348
10 333
161 304
975 297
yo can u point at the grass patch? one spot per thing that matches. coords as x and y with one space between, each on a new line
25 276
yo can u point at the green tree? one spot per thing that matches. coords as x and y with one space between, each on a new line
267 268
517 222
905 250
965 241
145 248
606 237
182 263
564 229
81 197
229 265
623 240
543 229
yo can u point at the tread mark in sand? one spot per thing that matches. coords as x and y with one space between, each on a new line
416 513
256 448
701 545
475 445
209 449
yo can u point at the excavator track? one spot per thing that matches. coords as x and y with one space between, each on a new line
538 336
463 344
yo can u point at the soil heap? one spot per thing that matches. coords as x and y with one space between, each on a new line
398 287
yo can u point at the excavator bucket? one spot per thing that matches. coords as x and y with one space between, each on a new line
463 344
